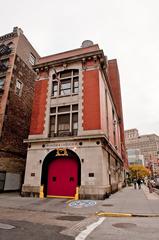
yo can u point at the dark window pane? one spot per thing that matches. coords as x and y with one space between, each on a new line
74 123
2 79
74 107
75 72
66 73
54 76
2 176
53 110
75 82
3 65
54 88
52 126
63 123
64 109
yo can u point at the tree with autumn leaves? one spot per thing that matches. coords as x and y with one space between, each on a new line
138 171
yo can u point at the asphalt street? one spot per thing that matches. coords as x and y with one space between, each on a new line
34 218
24 230
126 229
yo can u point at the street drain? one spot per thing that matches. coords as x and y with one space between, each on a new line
124 225
6 226
107 205
70 218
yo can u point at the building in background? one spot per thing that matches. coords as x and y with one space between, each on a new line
76 136
135 157
16 93
148 145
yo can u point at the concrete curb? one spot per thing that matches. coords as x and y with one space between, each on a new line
110 214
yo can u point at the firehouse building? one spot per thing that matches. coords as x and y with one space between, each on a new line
76 139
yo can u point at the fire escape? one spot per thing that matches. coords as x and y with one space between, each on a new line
5 50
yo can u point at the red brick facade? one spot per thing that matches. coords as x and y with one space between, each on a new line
39 107
15 107
91 100
114 82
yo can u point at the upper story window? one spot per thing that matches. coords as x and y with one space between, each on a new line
114 126
32 59
64 120
2 79
18 87
5 49
3 65
65 83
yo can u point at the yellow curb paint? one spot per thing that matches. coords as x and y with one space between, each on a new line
108 214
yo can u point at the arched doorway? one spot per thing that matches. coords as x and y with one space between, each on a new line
61 173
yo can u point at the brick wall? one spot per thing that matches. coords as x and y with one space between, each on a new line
17 117
39 107
91 100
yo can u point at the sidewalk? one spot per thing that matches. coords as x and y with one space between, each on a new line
135 201
127 200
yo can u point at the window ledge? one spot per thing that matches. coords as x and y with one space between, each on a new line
70 95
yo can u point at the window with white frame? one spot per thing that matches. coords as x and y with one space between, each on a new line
2 79
64 120
32 59
65 83
18 87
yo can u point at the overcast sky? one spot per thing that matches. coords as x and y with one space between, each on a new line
127 30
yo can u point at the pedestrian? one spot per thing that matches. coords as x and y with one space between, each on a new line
134 181
139 183
149 184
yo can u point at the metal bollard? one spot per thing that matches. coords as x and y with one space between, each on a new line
77 193
41 195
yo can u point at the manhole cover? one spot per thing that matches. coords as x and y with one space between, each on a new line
71 218
124 225
6 226
107 205
82 203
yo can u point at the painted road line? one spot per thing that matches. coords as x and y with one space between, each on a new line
6 226
89 229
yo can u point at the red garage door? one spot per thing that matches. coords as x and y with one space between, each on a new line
62 177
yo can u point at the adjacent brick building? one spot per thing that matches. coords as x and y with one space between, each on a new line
77 135
16 94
